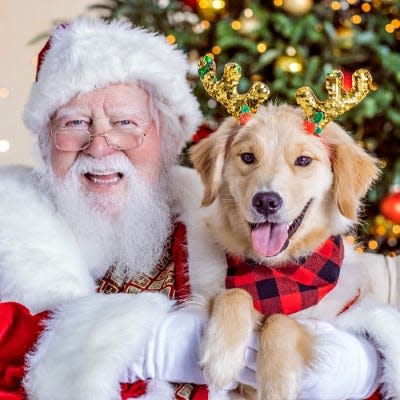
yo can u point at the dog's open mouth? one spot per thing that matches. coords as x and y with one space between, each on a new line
270 238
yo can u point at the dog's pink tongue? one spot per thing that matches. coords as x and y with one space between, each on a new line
268 239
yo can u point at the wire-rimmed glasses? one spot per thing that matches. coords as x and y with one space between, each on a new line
120 137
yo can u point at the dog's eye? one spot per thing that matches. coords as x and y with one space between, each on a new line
248 158
303 161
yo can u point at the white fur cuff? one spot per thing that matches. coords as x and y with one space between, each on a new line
89 343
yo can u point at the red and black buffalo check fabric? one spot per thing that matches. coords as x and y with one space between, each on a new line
290 287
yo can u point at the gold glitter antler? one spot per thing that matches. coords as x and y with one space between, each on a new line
319 113
225 90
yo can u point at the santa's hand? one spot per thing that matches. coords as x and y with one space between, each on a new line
346 365
88 344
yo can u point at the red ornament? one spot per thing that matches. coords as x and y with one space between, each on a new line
390 207
191 3
203 132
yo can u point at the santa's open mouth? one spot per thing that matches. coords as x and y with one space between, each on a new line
271 238
104 179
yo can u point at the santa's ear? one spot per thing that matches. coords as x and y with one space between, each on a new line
208 157
354 170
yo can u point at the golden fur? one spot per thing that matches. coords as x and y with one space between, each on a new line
338 176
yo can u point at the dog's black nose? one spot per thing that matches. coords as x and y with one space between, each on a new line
267 203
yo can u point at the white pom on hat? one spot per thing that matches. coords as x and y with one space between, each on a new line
91 53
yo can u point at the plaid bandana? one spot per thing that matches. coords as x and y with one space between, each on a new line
291 287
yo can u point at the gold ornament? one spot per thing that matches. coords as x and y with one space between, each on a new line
248 24
240 105
292 64
344 37
297 7
339 100
211 9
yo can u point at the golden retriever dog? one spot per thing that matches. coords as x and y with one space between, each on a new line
280 193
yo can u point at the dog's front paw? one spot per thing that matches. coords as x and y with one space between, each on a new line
287 389
227 336
222 361
285 349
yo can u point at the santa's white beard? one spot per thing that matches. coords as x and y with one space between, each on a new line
127 231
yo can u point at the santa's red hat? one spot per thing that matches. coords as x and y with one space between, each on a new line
91 53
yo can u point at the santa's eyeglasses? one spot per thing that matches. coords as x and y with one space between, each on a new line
76 135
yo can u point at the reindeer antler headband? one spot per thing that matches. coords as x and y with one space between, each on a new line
225 90
318 113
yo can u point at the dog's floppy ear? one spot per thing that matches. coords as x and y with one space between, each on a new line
208 157
354 170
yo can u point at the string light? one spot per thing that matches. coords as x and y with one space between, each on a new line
278 3
216 50
236 25
396 23
4 145
248 13
218 4
211 103
205 24
4 92
356 19
291 51
366 7
215 4
389 28
171 39
261 47
350 239
381 230
373 244
335 5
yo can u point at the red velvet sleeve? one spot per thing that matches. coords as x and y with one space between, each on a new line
19 330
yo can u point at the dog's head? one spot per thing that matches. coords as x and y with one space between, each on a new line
281 191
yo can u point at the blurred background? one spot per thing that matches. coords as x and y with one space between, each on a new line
285 43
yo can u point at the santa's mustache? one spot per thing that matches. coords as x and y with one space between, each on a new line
111 164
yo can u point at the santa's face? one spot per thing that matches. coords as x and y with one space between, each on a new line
101 111
115 201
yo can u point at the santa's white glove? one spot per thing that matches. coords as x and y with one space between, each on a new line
346 367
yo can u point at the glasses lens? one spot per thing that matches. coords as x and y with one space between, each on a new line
71 140
124 141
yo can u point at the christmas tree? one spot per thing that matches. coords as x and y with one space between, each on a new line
292 43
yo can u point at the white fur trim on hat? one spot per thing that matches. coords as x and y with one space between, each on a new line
89 54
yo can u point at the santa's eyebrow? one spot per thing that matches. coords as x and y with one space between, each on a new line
127 110
68 112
